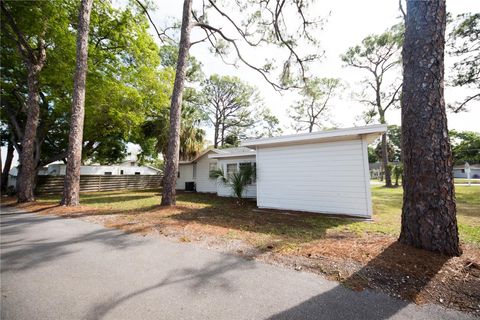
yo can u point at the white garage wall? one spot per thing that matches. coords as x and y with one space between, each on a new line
327 177
203 181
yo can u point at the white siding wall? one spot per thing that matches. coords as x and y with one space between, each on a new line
225 190
186 175
203 181
327 177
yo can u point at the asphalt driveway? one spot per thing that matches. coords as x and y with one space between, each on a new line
55 268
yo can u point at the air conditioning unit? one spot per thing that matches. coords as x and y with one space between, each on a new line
190 186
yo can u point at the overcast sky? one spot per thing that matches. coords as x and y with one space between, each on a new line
348 23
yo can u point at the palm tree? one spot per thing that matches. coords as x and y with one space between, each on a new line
237 180
192 138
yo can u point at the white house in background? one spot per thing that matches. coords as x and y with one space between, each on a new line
230 161
325 172
459 171
58 169
195 174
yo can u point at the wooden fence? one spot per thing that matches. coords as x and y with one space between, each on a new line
90 183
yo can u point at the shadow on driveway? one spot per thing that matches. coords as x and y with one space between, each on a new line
21 254
348 305
207 276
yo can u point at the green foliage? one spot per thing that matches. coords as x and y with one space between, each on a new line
237 181
390 151
394 135
397 172
169 57
372 155
234 109
465 146
231 140
153 134
218 174
125 82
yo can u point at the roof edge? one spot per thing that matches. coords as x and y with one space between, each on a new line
320 135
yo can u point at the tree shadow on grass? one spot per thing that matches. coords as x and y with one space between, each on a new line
117 198
298 227
396 269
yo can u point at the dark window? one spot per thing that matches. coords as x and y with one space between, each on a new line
463 170
137 172
108 173
178 174
250 164
121 171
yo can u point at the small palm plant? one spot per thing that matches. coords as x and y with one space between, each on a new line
237 180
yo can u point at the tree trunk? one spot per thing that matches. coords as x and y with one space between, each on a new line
26 178
222 141
429 209
34 60
171 166
71 190
215 139
8 165
386 167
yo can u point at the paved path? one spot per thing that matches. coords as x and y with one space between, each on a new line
54 268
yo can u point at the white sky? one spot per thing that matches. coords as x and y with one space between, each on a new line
349 22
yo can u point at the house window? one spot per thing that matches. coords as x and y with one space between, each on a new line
137 172
108 173
231 168
211 166
249 164
121 171
178 174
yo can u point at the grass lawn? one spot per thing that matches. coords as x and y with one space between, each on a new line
265 225
457 180
472 181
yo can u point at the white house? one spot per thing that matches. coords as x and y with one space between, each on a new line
459 171
195 174
230 161
56 169
324 172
